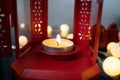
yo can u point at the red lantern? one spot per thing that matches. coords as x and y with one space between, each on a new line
79 64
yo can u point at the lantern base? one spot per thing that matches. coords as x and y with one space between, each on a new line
37 66
74 50
62 55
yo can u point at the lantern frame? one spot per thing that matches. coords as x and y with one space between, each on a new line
31 63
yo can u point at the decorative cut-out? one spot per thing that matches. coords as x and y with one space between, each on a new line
38 19
86 17
84 20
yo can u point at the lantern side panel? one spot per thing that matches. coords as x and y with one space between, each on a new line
5 28
38 21
86 15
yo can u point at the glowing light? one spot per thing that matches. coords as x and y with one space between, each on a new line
58 39
49 30
39 25
64 30
22 25
70 36
115 50
23 40
39 30
111 66
109 45
35 25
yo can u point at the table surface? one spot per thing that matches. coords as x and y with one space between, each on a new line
40 66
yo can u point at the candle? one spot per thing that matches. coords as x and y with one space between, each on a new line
57 45
58 39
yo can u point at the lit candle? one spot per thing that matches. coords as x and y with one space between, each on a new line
58 39
57 45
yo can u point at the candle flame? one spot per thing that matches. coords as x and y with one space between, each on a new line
58 39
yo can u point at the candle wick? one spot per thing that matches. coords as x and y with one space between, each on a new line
57 43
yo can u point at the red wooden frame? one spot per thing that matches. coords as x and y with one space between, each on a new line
39 23
39 20
82 22
7 20
87 14
32 64
98 27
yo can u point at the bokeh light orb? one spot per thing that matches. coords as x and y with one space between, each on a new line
64 30
115 50
22 25
23 40
64 27
109 45
111 66
70 36
49 30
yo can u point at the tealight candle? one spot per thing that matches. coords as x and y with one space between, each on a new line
57 45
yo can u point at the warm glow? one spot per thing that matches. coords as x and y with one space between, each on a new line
109 45
115 50
111 66
49 30
64 34
23 40
22 25
70 36
64 30
57 45
58 39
